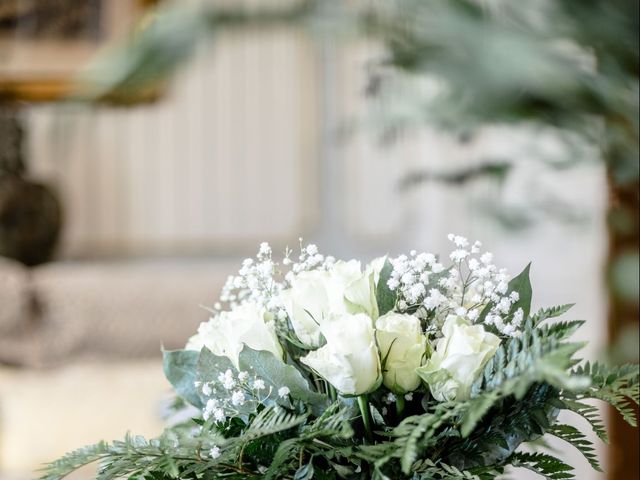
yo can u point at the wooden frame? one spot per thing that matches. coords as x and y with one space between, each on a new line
45 69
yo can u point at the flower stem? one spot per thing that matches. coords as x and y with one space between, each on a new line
399 404
363 403
333 395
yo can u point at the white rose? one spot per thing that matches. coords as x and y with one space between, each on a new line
307 304
402 347
460 356
317 294
226 333
349 360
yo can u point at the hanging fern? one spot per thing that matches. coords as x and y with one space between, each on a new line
576 438
590 413
617 386
550 467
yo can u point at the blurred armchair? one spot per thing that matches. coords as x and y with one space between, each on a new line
69 310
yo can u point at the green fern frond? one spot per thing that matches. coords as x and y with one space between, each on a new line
286 450
591 414
74 460
561 330
416 433
552 312
543 464
135 456
271 420
430 470
333 424
616 385
576 438
516 355
549 368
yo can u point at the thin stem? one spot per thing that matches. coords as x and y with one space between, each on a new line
363 403
332 393
399 404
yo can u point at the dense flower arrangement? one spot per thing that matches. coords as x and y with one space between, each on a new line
408 367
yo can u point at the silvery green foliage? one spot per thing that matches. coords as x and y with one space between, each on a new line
265 416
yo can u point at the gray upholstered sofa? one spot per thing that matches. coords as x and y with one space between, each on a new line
80 350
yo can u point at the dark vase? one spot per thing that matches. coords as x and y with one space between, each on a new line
30 220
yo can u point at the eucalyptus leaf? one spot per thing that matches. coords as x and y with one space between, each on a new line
180 369
210 366
277 374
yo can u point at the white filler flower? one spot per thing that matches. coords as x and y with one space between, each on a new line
460 356
349 360
226 333
402 347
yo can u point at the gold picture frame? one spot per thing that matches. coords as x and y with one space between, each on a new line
40 57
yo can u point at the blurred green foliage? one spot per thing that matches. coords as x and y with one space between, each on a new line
567 65
561 63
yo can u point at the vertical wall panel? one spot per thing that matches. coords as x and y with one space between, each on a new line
219 164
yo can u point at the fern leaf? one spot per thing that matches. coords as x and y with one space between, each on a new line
543 464
271 420
413 433
576 438
562 330
427 469
74 460
591 414
516 356
616 385
552 312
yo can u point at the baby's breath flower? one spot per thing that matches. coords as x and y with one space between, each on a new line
459 255
392 283
219 415
215 452
237 398
389 398
283 392
466 288
227 380
207 390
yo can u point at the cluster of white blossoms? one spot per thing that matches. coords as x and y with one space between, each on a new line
409 322
411 278
230 394
309 259
255 283
260 281
471 284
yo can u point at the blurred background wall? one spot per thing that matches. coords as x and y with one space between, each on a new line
262 137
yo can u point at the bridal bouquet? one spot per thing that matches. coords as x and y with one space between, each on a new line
408 367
